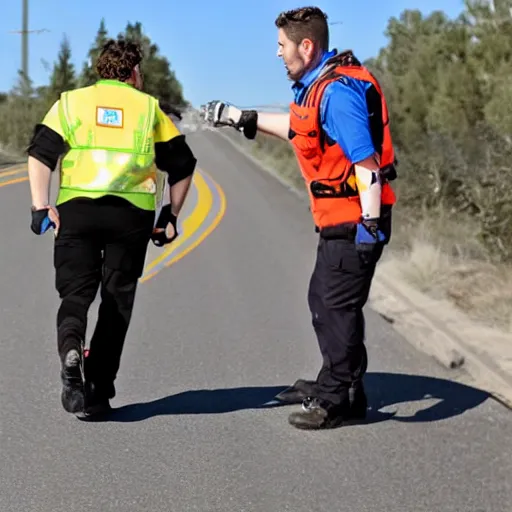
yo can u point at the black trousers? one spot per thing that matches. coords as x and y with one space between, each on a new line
101 242
338 290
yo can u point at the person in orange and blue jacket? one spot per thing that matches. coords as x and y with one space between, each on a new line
339 128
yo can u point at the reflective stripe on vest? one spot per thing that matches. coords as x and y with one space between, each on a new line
109 128
326 170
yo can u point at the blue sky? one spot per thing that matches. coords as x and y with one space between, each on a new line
226 52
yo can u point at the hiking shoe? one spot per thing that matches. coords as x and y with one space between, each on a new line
303 389
96 404
317 414
72 395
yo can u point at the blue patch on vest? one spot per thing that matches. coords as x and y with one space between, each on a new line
109 117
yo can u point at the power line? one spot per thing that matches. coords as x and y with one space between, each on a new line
41 30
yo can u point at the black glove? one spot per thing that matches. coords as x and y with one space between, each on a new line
219 113
165 218
41 222
368 238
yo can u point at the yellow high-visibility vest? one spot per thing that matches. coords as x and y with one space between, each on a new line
111 128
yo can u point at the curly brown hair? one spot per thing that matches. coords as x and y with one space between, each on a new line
118 59
305 23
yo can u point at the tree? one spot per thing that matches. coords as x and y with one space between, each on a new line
448 88
25 105
159 79
20 112
491 30
63 76
89 75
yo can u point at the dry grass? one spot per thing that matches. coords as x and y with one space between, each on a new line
456 268
9 157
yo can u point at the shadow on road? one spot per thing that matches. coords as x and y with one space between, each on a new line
384 390
399 391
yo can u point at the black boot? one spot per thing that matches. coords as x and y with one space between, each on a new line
72 396
96 403
303 389
97 394
318 414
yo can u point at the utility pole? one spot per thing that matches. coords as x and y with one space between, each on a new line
24 38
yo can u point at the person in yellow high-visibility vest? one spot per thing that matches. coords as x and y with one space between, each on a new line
110 138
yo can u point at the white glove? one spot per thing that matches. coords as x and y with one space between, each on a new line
219 113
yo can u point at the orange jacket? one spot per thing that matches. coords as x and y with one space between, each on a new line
329 175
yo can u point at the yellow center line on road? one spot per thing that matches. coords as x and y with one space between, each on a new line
12 182
190 225
215 222
14 170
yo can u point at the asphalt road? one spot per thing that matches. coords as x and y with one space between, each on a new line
214 337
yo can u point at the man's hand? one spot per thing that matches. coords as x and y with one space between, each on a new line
45 218
368 235
219 113
161 234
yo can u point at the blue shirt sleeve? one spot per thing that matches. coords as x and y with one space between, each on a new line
345 118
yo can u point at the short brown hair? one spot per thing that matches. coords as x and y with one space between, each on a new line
117 59
305 23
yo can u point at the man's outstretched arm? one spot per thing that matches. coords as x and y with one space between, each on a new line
276 124
249 122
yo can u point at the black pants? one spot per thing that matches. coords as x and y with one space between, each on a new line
338 290
100 242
